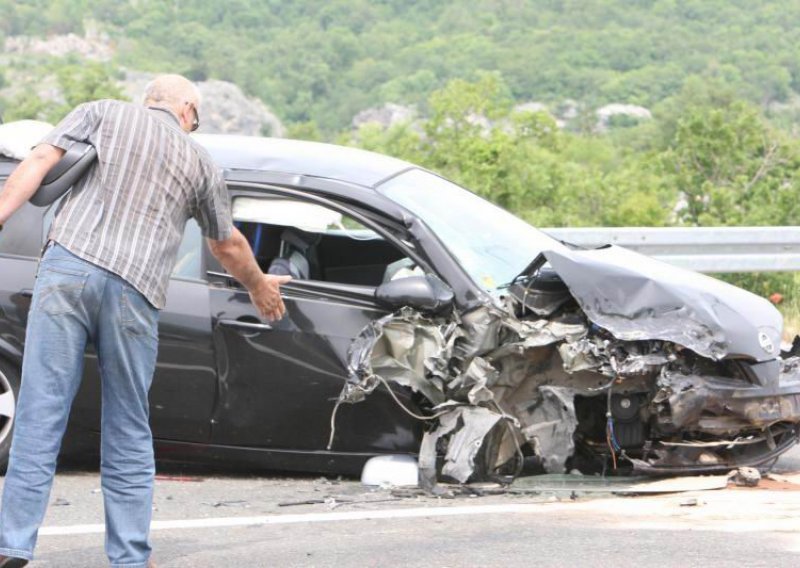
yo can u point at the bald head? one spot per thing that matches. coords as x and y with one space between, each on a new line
173 92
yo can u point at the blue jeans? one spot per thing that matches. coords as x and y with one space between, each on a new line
75 302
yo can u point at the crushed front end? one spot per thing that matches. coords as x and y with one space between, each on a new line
596 361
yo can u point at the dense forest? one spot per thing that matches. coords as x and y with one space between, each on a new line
325 60
720 77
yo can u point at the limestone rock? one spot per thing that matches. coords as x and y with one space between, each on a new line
531 106
93 45
386 116
606 113
225 109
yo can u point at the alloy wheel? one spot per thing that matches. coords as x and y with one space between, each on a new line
8 406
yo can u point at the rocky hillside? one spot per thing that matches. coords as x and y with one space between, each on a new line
224 109
31 71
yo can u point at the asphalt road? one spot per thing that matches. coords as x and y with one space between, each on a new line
246 521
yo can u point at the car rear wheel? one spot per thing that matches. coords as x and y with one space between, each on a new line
9 390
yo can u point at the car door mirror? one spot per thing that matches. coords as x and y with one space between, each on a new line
424 293
72 166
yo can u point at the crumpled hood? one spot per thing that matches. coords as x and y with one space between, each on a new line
636 297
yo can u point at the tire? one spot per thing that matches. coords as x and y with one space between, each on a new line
9 391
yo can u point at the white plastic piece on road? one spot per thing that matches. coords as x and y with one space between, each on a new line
17 138
391 471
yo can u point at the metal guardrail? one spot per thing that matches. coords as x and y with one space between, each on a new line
704 249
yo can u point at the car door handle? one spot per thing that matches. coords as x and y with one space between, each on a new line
246 324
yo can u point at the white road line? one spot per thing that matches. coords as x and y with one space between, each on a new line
310 518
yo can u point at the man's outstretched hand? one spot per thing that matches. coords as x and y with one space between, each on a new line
235 254
266 296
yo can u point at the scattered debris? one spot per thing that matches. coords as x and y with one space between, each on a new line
745 477
792 478
61 502
305 502
179 478
336 502
238 503
618 485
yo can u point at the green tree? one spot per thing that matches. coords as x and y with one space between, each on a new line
84 82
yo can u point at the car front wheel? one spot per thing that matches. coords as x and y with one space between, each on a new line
9 390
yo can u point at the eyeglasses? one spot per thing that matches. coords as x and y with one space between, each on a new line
196 121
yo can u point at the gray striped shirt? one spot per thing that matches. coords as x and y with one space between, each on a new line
128 213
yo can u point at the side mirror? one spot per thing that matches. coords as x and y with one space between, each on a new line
423 293
72 166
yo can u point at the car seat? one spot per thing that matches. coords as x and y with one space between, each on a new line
298 255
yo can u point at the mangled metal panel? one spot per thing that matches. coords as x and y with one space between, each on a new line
403 348
467 426
553 427
636 297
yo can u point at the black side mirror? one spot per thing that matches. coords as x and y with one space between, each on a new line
72 166
423 293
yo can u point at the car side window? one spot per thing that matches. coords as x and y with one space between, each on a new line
19 234
189 262
312 242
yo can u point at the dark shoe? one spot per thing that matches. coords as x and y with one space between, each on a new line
7 562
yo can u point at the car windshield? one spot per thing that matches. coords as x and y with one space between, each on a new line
490 243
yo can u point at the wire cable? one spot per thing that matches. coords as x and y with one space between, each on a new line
407 411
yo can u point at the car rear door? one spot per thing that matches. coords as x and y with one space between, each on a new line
19 255
184 384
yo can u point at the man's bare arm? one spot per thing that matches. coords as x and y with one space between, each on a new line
27 178
237 257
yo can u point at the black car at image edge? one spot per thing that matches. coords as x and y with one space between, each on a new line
411 294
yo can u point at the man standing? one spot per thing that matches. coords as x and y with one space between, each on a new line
103 278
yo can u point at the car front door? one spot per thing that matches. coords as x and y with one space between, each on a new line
279 381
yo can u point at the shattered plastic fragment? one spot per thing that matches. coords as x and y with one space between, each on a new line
553 427
469 426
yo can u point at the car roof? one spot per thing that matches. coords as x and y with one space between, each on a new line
351 165
301 157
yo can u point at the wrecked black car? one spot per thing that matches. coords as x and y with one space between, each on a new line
465 335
